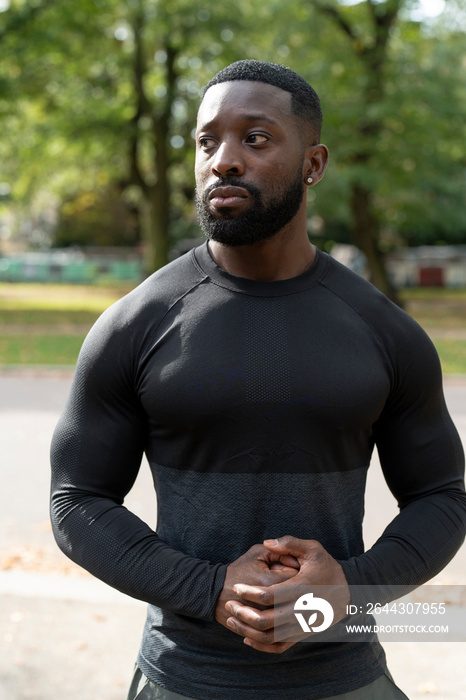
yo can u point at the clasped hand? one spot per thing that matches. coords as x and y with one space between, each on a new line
266 576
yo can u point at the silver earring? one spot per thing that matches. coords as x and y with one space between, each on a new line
309 180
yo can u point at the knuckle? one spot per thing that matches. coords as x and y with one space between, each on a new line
262 623
267 638
256 549
316 550
265 579
267 597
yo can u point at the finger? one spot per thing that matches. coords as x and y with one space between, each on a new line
269 618
284 559
245 630
289 560
286 638
290 545
283 572
255 619
284 633
278 566
262 595
276 594
274 556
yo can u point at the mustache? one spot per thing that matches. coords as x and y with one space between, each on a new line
232 182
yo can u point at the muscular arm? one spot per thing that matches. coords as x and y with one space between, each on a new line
96 454
423 463
422 459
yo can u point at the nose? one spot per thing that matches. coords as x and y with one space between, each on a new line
228 160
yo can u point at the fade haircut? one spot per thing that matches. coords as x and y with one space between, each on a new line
305 103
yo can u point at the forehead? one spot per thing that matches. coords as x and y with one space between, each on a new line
243 99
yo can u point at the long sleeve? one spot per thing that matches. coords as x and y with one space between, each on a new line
96 454
423 463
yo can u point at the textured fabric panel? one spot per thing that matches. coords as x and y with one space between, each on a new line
252 507
226 668
240 386
268 353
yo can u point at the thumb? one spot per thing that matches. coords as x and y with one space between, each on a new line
288 545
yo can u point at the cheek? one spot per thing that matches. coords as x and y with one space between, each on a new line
282 178
282 165
201 167
285 171
200 182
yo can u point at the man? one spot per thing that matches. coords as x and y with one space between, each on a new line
257 374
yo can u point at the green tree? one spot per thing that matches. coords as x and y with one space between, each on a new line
394 104
369 41
103 93
117 107
171 43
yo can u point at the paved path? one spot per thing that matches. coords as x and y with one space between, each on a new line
66 635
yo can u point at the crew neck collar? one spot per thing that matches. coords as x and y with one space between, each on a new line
203 259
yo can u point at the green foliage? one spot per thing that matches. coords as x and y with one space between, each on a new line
101 96
97 218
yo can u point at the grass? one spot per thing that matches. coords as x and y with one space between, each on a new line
433 293
58 297
46 324
442 313
39 349
452 355
47 317
440 308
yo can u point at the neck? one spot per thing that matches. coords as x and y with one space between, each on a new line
285 255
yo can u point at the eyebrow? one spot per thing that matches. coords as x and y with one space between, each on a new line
248 117
259 118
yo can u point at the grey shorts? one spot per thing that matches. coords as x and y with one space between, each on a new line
382 689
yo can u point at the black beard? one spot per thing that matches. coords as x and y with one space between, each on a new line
259 222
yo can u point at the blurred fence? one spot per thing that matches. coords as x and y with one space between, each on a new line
423 266
433 266
81 266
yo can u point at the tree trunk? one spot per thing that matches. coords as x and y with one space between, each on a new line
160 201
372 52
365 234
158 223
156 207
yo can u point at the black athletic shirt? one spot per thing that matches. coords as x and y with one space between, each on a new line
258 405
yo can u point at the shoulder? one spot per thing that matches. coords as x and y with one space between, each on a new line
150 301
128 323
356 291
158 293
373 307
400 337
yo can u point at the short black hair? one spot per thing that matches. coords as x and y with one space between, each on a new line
305 102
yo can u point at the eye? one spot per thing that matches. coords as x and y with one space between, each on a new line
257 138
206 142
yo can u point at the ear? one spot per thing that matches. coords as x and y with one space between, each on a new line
315 163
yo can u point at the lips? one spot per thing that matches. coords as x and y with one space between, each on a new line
227 196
